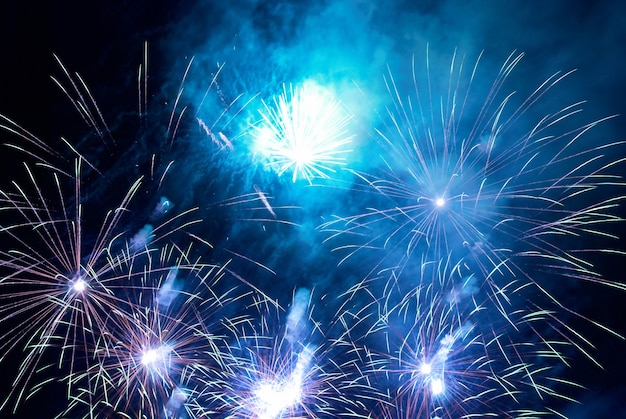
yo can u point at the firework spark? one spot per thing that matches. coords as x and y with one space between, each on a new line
166 337
456 177
290 370
441 349
60 279
305 132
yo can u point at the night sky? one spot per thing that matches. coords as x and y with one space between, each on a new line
348 46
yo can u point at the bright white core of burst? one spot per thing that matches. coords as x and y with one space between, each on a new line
79 285
302 156
274 399
149 356
440 202
425 368
436 386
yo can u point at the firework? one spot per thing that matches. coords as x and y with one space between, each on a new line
305 132
122 314
441 349
177 325
517 206
471 209
460 177
290 369
61 279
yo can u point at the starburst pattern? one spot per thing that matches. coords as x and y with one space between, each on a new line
305 131
445 302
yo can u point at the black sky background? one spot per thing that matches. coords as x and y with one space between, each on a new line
342 41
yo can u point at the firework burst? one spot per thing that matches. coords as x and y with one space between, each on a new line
176 326
288 368
459 177
70 268
60 279
305 132
518 206
440 349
